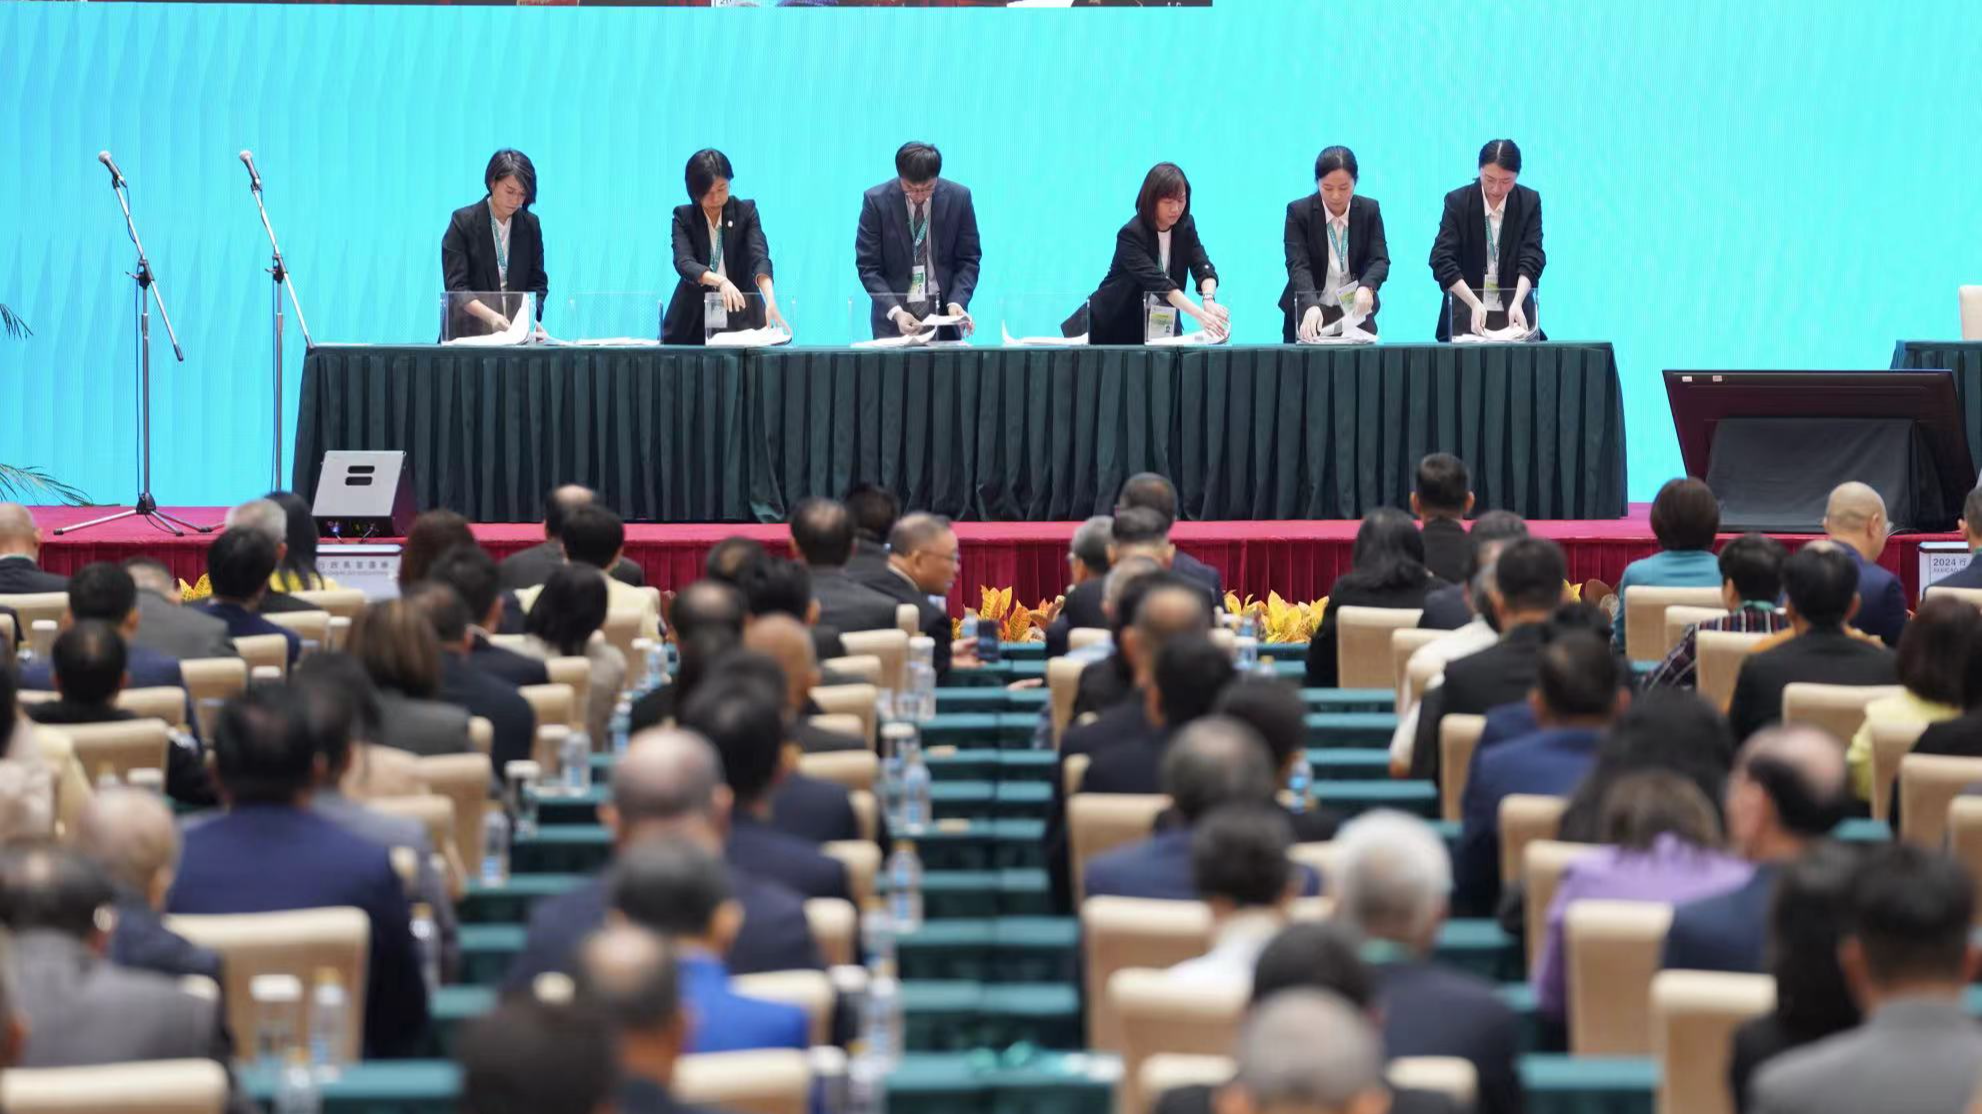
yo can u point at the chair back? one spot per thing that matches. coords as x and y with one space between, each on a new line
296 942
908 619
866 813
1118 933
1525 818
1694 1016
842 724
310 626
810 991
1717 661
435 813
463 779
165 703
550 704
1451 1076
832 921
1080 638
1168 1071
1838 709
890 645
1458 738
762 1081
1644 616
119 748
1969 300
622 629
1965 839
1405 641
1542 864
8 633
267 651
212 679
481 734
576 674
1892 741
143 1087
853 700
1362 645
1100 822
1928 783
35 607
41 637
1613 952
344 603
1418 677
862 859
854 668
1062 686
378 771
1158 1016
1681 616
1972 595
853 769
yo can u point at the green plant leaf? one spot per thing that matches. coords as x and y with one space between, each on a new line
13 323
32 485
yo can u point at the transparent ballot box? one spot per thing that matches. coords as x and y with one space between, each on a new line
748 321
1165 324
609 317
1331 317
1043 319
487 316
921 323
1499 322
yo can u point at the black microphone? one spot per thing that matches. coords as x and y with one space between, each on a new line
116 178
254 179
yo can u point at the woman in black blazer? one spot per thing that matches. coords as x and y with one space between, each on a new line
1154 254
1388 570
1464 261
708 261
1360 256
495 244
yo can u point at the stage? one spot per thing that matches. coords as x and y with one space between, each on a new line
1298 559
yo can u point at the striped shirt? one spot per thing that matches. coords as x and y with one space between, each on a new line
1680 669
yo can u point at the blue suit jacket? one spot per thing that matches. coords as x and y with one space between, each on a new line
884 254
725 1021
762 850
148 668
1159 867
1506 723
813 810
1429 1010
262 858
1726 932
1551 763
242 623
1881 600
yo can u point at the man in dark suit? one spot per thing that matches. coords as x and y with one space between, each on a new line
1454 605
20 555
916 248
1189 675
89 671
543 1055
1786 793
269 852
133 837
238 565
465 686
1821 582
1488 255
1088 562
103 592
1856 519
1442 500
1390 879
530 567
669 785
1971 532
923 560
640 983
776 586
875 511
472 573
781 639
1155 492
822 533
707 621
496 244
1109 677
165 625
1577 692
1168 607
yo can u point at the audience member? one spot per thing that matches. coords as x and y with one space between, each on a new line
1576 695
574 609
1819 580
132 836
270 852
105 593
809 808
1685 519
1391 879
1970 525
1154 492
398 648
707 619
776 586
528 1056
1441 500
89 672
1190 674
1471 631
1088 563
676 889
1787 792
1907 958
1144 532
1307 1051
1167 608
297 570
633 977
238 565
874 510
267 517
784 641
375 770
1240 868
1456 604
1673 732
728 558
527 568
472 573
923 562
1933 665
1662 844
1960 737
669 786
1516 719
1751 589
594 540
1275 711
822 535
1388 571
20 555
1108 677
433 533
1856 520
481 694
165 625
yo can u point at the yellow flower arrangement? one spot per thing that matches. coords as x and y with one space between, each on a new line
1016 622
194 593
1279 621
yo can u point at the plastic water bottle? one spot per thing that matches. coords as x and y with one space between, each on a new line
877 939
495 847
897 739
574 763
1300 782
328 1006
916 806
278 1000
881 1025
657 667
990 650
968 632
296 1089
904 888
866 1085
426 942
520 778
922 677
1248 642
620 727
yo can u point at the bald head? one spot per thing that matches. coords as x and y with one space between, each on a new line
131 834
1789 787
788 642
1166 611
669 781
1214 762
629 972
18 533
1856 516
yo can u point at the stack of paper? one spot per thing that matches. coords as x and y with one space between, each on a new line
1039 342
766 337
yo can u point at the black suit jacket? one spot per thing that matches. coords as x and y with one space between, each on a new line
1826 657
275 603
846 605
813 810
1196 1099
1082 609
934 621
1322 664
1430 1010
20 576
1123 725
468 260
1102 685
1187 565
767 852
494 699
1307 258
1114 311
1446 609
1460 251
1448 548
1500 674
1960 737
884 253
1725 932
869 561
507 665
746 257
530 567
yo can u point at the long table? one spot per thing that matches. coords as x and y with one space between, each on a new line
1016 434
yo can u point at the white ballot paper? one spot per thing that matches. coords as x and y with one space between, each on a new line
1346 329
766 337
517 333
1511 334
925 333
1038 342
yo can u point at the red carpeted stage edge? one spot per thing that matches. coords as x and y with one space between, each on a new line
1297 559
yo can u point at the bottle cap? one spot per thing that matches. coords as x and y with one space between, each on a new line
904 845
898 730
522 768
1266 659
422 911
275 988
328 975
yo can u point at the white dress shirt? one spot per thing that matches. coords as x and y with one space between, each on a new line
1163 250
1235 949
715 237
1469 639
1494 215
1337 275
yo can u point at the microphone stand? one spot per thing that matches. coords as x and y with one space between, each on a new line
280 273
147 290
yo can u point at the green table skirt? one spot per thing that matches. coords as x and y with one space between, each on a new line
1964 358
1010 434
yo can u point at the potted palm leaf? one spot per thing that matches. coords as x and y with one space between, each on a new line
30 484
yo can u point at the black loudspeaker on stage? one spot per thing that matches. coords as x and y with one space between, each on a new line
364 495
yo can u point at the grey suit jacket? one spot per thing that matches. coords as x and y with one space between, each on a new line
846 605
180 632
1911 1057
82 1009
391 831
425 727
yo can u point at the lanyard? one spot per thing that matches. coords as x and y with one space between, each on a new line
1340 244
918 230
1493 244
502 252
716 247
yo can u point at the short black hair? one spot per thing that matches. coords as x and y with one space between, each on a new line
53 889
102 590
1754 563
1577 675
1239 853
1140 526
239 563
669 886
1685 515
443 609
592 535
729 557
918 162
562 500
705 605
572 604
1529 574
1314 955
1216 762
89 661
1503 153
528 1056
340 704
1443 483
1333 159
1271 707
874 509
510 161
823 532
472 573
1164 182
1933 649
1151 490
696 656
744 721
1191 673
1910 911
777 586
1491 527
1820 580
262 747
704 168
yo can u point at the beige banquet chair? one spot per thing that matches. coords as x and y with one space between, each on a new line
854 700
1100 822
1451 1076
165 703
862 859
1965 839
464 779
212 679
1542 865
1928 784
891 646
310 626
1062 686
296 942
1892 741
810 991
1972 595
622 629
832 921
34 607
142 1087
1681 617
1405 641
1837 709
1694 1016
854 669
908 619
116 748
435 814
1157 1016
1118 933
575 674
761 1081
341 603
1644 616
1717 659
1458 738
1363 654
1613 952
1080 638
1525 818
